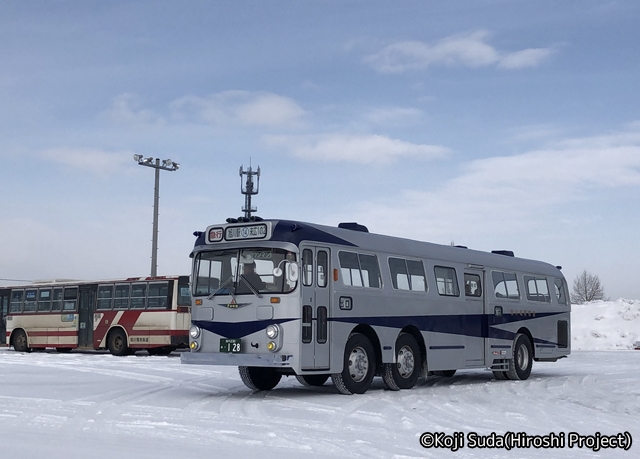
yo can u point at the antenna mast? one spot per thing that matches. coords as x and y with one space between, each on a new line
249 188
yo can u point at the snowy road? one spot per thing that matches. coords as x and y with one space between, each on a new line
88 405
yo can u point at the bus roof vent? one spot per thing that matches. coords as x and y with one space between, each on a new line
353 226
506 253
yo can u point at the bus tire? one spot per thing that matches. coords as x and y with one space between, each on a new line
20 341
521 359
259 378
445 373
405 372
117 343
500 375
312 380
358 367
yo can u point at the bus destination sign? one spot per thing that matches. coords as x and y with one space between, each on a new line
246 232
238 233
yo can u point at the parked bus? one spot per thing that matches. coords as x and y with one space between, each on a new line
122 315
284 298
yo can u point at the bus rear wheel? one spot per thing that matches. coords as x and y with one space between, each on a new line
405 372
312 380
358 366
20 342
117 343
521 359
258 378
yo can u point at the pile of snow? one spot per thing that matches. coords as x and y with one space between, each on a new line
606 325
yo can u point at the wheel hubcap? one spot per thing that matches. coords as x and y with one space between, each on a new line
523 357
405 362
358 364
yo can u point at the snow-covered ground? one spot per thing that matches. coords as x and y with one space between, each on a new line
606 325
94 405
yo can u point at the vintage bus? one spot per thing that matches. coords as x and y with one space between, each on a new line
278 298
122 315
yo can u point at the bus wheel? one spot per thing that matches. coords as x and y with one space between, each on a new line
405 372
257 378
117 343
20 342
359 366
312 380
500 375
521 359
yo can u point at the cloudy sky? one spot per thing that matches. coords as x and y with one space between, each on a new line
492 124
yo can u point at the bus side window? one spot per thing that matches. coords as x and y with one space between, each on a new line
44 300
472 285
121 297
105 297
70 299
138 296
560 294
447 281
16 301
399 274
56 304
30 303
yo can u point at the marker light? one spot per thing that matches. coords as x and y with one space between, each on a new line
271 346
194 345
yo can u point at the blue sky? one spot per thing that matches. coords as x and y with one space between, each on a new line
495 124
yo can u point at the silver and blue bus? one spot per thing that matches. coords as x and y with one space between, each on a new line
285 298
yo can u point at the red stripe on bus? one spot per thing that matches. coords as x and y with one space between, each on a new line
53 333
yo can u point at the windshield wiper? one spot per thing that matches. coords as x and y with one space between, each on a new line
222 287
251 287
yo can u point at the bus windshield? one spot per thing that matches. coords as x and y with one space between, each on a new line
242 271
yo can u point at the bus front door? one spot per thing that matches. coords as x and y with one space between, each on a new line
315 308
86 309
4 310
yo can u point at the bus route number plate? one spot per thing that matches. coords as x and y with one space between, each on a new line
230 346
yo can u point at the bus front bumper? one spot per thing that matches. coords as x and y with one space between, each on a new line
238 360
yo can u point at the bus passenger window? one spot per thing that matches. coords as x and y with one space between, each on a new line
472 285
16 301
418 280
447 281
537 289
138 296
105 296
505 285
70 299
560 294
399 274
44 300
56 304
121 297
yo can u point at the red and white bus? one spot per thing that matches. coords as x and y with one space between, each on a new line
122 315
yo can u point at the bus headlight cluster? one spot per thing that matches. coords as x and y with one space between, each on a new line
194 332
194 345
272 331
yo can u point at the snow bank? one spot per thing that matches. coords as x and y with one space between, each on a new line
606 325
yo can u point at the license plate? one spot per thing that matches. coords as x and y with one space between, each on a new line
230 345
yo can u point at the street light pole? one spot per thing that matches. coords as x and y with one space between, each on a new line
167 165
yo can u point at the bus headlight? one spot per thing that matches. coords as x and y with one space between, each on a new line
194 332
272 331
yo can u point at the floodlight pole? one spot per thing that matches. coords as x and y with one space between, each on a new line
167 165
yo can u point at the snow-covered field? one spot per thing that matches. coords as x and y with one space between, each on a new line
94 405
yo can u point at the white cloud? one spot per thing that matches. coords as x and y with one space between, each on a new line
363 149
469 50
127 109
506 195
92 160
242 108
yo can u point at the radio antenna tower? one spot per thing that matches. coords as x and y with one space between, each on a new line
248 189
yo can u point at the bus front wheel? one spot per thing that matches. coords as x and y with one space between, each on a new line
358 368
117 343
521 359
258 378
20 342
405 372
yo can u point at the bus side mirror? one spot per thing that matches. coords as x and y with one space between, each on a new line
292 272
